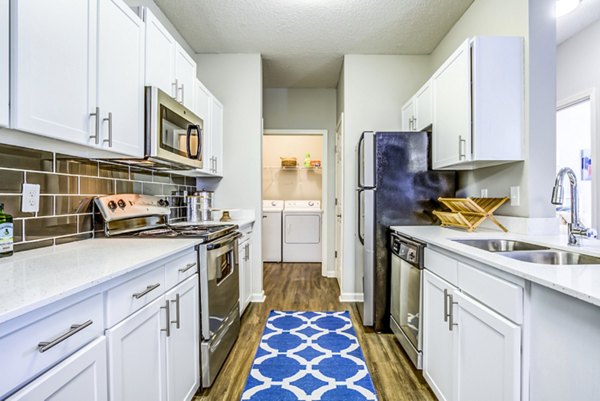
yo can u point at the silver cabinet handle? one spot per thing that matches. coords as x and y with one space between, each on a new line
174 89
168 311
187 267
446 314
138 295
177 320
451 323
247 252
110 129
462 144
182 92
75 328
96 136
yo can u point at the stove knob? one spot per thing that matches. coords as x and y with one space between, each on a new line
112 205
163 202
121 203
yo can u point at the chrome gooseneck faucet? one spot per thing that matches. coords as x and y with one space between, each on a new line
574 227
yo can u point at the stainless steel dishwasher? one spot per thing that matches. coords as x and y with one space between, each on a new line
406 299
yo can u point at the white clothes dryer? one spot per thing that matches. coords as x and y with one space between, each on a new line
271 230
302 231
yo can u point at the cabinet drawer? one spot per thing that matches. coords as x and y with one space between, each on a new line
181 268
63 331
442 265
126 298
500 295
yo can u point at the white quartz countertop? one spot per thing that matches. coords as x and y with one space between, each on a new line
579 281
32 279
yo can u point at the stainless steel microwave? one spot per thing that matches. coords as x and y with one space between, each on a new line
174 134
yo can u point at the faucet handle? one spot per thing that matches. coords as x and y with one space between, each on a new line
591 233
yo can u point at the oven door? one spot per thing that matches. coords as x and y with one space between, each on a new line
174 133
219 282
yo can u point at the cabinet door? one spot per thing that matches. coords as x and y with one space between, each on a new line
246 274
408 115
452 109
136 355
82 376
121 77
185 74
423 107
242 266
489 353
160 55
216 129
183 342
53 68
4 51
438 341
202 108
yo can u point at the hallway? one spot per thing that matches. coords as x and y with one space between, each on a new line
301 287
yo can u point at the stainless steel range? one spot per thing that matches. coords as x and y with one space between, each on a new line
145 216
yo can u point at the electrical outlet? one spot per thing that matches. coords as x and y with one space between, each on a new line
515 196
484 193
30 198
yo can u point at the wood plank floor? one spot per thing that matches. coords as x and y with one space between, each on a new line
297 286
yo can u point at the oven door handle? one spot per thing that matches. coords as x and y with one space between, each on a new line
223 241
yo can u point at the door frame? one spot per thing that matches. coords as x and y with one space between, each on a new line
590 95
324 191
339 196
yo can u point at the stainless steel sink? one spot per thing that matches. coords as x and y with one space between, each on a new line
501 245
553 257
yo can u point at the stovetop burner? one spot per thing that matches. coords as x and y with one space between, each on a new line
206 232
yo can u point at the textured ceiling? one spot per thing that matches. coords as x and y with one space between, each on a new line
583 16
303 41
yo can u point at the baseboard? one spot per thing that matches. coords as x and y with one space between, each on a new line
330 274
259 298
351 297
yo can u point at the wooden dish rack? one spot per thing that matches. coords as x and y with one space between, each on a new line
469 213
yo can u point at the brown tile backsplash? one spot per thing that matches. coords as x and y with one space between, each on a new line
68 186
11 181
25 159
96 186
53 183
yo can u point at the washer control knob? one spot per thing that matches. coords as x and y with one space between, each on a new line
112 205
311 203
121 203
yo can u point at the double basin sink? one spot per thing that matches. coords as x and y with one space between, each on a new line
531 253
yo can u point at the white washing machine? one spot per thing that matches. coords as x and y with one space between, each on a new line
302 231
271 230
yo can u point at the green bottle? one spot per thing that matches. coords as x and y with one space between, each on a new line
6 233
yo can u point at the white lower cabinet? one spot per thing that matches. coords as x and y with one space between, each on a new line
245 266
136 355
183 344
470 352
82 376
154 353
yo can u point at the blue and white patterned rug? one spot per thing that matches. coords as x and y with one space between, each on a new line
309 356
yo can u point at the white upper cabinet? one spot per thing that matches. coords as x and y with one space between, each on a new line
202 108
121 77
53 61
408 115
185 77
4 51
217 137
423 107
478 105
168 66
160 67
77 73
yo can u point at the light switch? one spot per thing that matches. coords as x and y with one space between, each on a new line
484 193
515 196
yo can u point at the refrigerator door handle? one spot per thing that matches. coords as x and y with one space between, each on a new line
360 237
360 160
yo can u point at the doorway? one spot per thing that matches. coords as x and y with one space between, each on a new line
302 178
576 148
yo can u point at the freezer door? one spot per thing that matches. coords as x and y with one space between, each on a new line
366 160
368 224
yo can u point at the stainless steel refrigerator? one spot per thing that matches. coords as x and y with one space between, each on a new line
395 187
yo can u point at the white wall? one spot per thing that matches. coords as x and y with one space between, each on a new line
374 89
236 80
533 20
308 109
